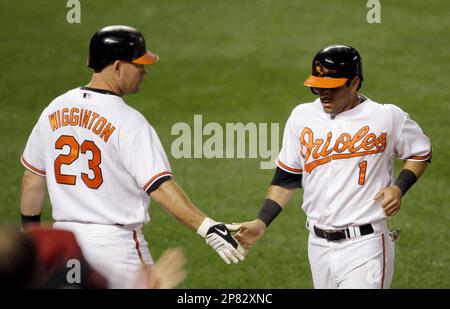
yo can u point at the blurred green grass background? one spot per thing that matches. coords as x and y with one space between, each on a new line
242 61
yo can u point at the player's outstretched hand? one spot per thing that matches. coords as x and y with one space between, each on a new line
166 273
392 199
250 232
218 236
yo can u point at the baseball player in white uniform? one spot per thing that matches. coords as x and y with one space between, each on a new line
102 162
340 149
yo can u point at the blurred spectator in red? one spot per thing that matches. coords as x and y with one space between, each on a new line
43 257
60 262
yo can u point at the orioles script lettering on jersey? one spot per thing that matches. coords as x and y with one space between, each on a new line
82 118
351 145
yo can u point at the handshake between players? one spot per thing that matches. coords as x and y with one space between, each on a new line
218 236
231 248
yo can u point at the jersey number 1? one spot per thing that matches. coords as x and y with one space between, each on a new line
362 172
67 159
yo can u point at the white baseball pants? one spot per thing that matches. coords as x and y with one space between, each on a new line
361 262
117 252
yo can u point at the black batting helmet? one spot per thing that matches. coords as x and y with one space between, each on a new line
118 43
333 66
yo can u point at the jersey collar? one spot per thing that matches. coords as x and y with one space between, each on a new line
102 91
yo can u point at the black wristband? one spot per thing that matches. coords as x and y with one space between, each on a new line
405 180
30 219
269 211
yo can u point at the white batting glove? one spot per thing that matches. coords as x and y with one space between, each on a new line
218 236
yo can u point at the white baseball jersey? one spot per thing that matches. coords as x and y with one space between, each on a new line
345 160
99 157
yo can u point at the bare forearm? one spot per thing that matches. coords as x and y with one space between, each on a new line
280 195
417 167
173 199
33 194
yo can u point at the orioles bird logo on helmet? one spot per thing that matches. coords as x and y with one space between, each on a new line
321 70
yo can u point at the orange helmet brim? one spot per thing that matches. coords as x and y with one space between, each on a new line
147 58
324 82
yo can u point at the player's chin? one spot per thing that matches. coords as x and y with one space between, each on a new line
328 107
328 110
133 90
137 86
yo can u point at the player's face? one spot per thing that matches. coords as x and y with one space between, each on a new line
338 100
131 77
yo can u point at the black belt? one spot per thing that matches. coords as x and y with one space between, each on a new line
336 235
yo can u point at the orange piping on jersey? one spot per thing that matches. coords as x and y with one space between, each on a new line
138 249
284 166
149 183
345 142
384 261
424 158
31 168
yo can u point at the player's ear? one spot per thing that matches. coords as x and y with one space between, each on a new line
355 82
117 67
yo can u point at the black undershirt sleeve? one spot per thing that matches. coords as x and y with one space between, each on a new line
158 183
286 180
